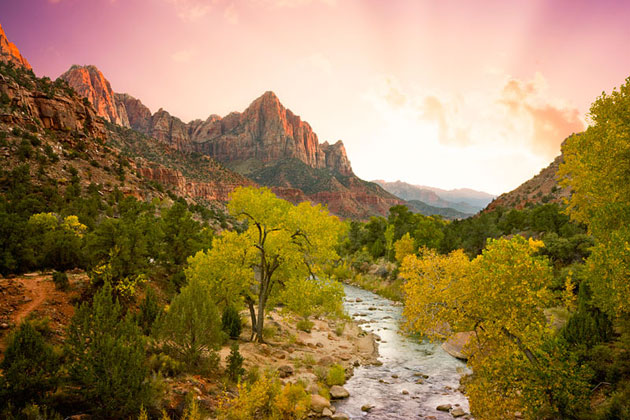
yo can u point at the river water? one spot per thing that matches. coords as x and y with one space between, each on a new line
392 388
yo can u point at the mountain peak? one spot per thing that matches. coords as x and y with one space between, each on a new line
9 53
88 81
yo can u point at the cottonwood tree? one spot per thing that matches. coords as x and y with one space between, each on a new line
282 243
596 166
500 296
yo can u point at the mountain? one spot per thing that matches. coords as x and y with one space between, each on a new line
463 200
542 188
9 53
421 207
266 142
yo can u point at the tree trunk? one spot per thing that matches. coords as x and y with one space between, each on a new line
262 302
252 314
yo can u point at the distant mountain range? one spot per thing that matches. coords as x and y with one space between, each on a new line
462 200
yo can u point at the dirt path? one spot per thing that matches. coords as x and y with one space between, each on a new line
38 289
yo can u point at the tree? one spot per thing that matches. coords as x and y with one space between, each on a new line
282 242
500 297
28 369
105 354
596 168
191 328
403 247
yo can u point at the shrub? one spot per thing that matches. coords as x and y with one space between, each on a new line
231 322
336 375
235 363
29 368
164 364
106 357
190 327
266 399
150 310
304 325
61 280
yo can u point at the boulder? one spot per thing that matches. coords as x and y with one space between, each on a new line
458 412
444 407
326 412
338 392
318 403
456 344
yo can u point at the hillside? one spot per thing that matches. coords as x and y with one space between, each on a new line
542 188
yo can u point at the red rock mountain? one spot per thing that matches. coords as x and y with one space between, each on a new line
9 53
90 83
267 142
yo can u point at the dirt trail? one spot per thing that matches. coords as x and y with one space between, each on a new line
38 288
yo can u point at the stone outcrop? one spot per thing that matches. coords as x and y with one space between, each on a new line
210 191
138 115
9 53
90 83
56 112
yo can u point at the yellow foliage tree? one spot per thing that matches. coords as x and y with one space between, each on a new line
500 296
283 246
403 247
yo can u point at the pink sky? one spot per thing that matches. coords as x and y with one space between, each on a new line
442 93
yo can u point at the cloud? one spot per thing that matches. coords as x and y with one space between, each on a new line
551 120
509 114
299 3
183 56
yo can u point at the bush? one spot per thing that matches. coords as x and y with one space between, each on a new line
29 368
61 280
231 322
164 364
190 328
336 375
106 357
266 399
150 310
235 363
304 325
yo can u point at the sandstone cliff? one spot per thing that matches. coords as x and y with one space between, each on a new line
9 53
90 83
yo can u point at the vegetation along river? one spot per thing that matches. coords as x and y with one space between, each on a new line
415 376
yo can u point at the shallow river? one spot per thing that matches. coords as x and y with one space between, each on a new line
404 359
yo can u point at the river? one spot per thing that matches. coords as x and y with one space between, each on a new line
392 388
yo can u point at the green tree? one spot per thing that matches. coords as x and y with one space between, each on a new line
282 242
191 328
231 322
106 356
28 369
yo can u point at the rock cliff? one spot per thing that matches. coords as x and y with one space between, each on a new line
9 53
90 83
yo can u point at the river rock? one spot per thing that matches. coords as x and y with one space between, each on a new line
405 392
318 403
358 300
458 412
367 407
326 412
444 407
338 392
340 416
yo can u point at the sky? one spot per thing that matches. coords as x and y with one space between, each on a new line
450 94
